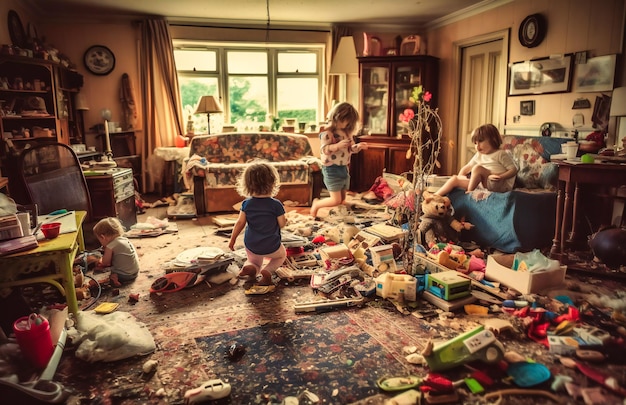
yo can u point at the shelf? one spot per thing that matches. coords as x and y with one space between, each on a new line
33 117
23 91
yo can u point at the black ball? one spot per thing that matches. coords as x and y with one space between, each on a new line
609 246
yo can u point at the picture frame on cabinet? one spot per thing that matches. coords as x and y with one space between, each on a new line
372 45
16 29
540 76
597 74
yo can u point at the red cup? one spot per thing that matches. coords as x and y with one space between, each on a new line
51 230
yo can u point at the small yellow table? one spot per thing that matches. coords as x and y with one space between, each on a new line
16 268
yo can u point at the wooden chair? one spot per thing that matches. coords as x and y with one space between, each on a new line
54 179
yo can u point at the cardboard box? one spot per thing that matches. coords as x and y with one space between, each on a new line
499 269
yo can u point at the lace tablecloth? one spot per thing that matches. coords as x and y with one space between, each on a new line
158 163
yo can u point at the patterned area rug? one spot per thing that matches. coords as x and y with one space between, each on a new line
333 357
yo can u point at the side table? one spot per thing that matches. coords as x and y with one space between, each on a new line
571 176
167 164
112 194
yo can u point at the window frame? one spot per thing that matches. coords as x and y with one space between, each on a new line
221 50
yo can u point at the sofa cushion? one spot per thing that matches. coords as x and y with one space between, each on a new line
219 175
508 222
244 147
532 156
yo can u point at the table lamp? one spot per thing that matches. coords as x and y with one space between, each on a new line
344 63
208 105
618 109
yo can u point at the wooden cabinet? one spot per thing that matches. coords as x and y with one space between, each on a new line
387 85
124 149
384 154
37 102
112 194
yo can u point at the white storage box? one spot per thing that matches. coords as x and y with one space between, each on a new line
499 269
396 286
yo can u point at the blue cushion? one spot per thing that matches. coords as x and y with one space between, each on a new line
510 222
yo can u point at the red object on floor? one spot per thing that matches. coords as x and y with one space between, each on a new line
292 251
436 382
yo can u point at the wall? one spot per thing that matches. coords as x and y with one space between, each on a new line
73 38
573 26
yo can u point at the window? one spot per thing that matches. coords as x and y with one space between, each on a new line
254 83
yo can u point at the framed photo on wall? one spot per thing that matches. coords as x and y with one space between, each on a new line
597 74
539 76
527 107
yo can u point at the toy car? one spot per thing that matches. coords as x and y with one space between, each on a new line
209 390
477 344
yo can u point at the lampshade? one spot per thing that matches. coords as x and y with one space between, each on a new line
80 104
345 61
208 104
618 102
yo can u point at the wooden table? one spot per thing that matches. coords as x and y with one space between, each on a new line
22 268
571 176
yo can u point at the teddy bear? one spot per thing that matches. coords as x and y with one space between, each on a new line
436 223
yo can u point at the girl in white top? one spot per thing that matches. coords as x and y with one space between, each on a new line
337 147
491 167
119 252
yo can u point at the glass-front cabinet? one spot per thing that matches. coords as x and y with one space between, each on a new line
389 84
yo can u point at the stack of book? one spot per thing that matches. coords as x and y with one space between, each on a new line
12 239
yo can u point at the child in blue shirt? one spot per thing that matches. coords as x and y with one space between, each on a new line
264 216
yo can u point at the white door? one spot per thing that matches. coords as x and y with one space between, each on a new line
482 92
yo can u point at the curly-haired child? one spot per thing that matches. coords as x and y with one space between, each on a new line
264 216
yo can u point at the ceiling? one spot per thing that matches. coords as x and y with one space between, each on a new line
321 13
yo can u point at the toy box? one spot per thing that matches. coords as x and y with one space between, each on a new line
448 285
427 265
382 258
563 345
499 269
396 286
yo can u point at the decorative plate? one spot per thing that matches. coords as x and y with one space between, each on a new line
99 60
532 30
16 29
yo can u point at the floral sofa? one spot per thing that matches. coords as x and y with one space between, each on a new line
215 162
524 218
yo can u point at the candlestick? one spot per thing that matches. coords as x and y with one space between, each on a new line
107 140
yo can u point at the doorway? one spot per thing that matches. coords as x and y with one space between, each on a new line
482 72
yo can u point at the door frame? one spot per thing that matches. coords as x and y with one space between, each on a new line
457 62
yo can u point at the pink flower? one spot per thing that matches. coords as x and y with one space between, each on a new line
427 96
407 115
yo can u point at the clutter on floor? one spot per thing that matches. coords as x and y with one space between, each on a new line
472 317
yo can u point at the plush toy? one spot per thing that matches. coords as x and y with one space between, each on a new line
436 223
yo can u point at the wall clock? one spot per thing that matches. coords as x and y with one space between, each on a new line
16 29
532 30
99 60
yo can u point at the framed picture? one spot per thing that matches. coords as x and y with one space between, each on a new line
539 76
597 74
527 107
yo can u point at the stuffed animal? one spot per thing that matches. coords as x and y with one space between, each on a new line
436 223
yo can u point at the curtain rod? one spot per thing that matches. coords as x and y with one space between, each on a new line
247 28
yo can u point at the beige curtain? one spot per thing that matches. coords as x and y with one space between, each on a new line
160 98
332 90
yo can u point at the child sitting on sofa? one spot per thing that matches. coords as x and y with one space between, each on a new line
491 167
